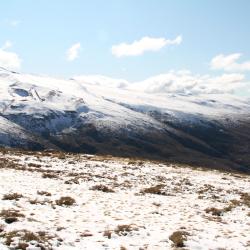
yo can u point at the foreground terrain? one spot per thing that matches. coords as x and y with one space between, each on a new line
53 200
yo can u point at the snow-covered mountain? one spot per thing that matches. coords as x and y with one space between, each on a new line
100 115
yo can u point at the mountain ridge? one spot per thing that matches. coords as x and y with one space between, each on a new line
118 119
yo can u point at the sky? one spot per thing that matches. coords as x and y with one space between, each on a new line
142 40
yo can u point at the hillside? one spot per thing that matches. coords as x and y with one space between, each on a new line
99 115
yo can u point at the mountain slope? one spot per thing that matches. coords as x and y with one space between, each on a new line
115 117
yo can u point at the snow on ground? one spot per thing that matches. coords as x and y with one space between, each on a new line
118 204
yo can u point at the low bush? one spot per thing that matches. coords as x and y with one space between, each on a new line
12 196
102 188
154 190
65 201
178 238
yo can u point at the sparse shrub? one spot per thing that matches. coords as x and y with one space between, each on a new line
235 203
12 196
125 229
61 156
10 215
65 201
1 228
49 175
22 246
86 234
25 236
245 199
186 181
45 193
178 238
34 165
34 201
41 202
60 228
30 236
228 208
102 188
214 211
72 181
205 189
107 233
154 190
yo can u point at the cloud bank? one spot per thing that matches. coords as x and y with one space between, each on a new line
184 82
9 60
174 82
143 45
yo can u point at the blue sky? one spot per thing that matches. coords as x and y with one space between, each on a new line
41 33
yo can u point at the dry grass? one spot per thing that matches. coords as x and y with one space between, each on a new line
206 188
102 188
121 230
65 201
11 215
49 175
25 236
34 165
12 196
72 181
233 204
178 238
214 211
125 229
154 190
245 199
44 193
22 246
107 233
46 201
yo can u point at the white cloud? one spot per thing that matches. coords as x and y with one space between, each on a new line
184 82
9 60
229 63
175 82
144 44
73 52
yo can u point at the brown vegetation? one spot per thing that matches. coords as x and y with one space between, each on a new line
102 188
25 236
12 196
125 229
178 238
65 201
154 190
